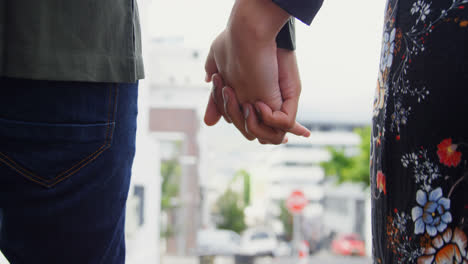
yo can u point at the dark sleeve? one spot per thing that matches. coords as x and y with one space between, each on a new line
304 10
286 38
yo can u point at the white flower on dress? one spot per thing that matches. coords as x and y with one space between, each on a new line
408 159
416 7
388 46
425 11
421 7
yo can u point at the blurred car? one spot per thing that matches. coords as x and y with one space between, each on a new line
217 242
284 249
349 245
259 242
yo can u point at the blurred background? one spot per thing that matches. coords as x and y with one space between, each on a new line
205 194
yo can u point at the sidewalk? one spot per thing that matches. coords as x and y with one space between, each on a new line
194 260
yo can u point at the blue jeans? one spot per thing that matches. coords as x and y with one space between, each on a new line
66 152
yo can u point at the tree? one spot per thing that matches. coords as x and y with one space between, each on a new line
354 168
230 208
246 185
170 173
286 219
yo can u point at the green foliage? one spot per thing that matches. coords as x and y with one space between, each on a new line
287 219
246 188
170 172
246 180
351 169
231 211
168 232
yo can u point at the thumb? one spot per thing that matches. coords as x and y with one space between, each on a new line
283 119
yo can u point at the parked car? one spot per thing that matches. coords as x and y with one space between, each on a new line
259 242
284 249
217 242
350 244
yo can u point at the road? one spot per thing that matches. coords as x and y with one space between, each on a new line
326 259
321 258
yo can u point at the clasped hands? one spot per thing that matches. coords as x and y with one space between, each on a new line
256 86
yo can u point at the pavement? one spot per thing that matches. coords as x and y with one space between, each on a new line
325 258
319 258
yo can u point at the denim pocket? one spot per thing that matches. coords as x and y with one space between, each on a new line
48 153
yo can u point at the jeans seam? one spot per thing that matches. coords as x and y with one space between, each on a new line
65 174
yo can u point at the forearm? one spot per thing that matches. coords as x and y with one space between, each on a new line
257 20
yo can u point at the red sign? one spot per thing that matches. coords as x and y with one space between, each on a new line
296 202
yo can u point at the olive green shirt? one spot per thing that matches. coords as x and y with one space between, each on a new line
71 40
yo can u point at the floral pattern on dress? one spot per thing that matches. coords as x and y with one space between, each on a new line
400 243
431 214
381 184
449 247
428 233
414 41
419 164
448 153
408 46
386 61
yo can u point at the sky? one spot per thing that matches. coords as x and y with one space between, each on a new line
338 55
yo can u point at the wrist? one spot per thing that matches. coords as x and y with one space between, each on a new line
257 20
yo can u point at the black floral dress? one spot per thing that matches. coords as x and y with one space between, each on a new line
419 156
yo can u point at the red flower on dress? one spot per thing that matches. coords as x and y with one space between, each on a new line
381 185
448 153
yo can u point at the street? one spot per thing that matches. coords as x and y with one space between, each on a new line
326 259
320 258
